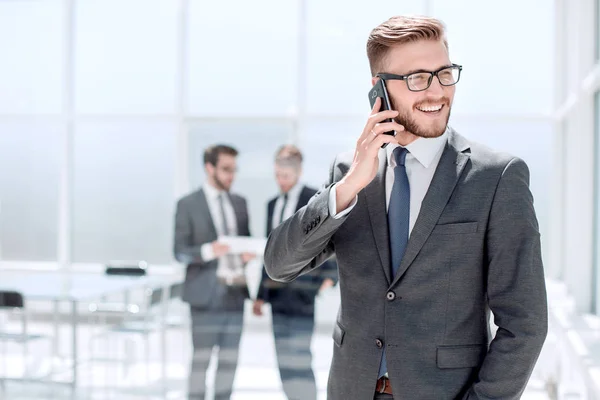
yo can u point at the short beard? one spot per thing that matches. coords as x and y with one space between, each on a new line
219 184
410 125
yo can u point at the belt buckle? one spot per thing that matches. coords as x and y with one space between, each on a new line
383 381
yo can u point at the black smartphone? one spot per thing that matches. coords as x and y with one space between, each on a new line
379 90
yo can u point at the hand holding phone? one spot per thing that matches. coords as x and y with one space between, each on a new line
365 162
379 90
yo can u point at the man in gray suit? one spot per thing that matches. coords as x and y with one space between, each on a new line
215 284
431 234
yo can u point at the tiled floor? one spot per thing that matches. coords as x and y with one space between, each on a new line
257 377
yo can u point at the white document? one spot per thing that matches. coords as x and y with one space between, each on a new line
244 244
230 267
231 270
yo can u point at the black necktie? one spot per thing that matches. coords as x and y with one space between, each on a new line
285 200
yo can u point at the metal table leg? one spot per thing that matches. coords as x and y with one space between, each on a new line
74 341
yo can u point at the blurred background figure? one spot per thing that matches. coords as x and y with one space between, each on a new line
215 283
293 304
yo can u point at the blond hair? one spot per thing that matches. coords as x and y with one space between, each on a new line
399 30
289 156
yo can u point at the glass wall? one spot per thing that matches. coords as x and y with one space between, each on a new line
30 162
222 77
597 28
596 270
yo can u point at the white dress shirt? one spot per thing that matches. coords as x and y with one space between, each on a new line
421 162
290 207
230 266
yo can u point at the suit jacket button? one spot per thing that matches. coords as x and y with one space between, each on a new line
379 343
390 295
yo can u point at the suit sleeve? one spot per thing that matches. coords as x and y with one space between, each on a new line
303 242
515 289
184 250
262 293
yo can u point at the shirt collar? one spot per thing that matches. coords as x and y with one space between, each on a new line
423 149
294 191
211 191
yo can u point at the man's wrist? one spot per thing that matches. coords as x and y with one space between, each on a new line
346 192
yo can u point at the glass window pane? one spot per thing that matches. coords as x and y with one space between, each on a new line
30 162
242 62
32 47
131 67
321 139
338 75
572 73
596 270
504 70
124 190
257 142
597 28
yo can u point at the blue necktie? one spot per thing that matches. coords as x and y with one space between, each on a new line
398 221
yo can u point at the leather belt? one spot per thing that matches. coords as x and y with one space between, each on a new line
383 386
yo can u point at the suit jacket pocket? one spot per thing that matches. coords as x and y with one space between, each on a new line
338 334
465 356
452 229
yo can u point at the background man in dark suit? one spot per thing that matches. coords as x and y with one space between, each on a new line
430 233
215 284
293 305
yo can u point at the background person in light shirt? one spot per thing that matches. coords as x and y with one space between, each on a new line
215 284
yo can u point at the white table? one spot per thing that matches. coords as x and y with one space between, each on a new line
75 288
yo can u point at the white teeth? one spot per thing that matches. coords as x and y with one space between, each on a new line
430 108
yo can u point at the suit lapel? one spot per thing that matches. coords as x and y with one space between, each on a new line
203 205
375 194
270 209
449 169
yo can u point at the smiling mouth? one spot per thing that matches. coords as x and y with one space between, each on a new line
431 109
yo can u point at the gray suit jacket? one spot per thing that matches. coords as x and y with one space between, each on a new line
475 247
193 228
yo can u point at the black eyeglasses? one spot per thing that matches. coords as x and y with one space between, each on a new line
421 80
